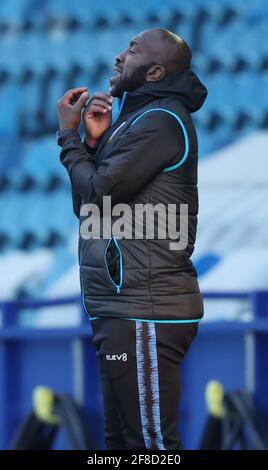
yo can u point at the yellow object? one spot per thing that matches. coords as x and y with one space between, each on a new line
43 401
214 398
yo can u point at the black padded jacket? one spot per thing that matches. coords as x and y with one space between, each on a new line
148 156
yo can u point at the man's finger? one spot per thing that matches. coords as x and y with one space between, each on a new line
73 94
103 96
97 102
96 109
75 91
81 101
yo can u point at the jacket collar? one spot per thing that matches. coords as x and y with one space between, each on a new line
183 86
130 102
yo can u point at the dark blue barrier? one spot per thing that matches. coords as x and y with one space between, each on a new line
232 352
60 358
64 359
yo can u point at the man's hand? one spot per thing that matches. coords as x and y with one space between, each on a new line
70 107
97 117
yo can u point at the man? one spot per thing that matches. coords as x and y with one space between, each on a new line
142 296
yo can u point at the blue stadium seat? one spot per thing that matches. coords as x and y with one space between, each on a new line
11 12
10 95
49 46
41 215
41 162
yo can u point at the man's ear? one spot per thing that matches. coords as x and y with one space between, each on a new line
155 73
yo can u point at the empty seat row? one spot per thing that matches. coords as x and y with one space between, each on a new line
29 241
74 16
35 217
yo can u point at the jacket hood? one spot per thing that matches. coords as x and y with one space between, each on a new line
185 85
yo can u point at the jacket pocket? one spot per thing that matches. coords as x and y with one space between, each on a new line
113 260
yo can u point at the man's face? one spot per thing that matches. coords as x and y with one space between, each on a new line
131 66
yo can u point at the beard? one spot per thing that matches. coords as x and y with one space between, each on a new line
119 84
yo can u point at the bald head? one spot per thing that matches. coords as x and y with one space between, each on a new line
178 54
151 56
167 49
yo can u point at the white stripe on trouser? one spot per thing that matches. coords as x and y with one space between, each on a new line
152 376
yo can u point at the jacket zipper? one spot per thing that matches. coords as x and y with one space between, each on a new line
116 130
117 286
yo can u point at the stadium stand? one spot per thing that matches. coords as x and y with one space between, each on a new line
49 46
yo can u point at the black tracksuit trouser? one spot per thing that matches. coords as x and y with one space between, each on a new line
140 378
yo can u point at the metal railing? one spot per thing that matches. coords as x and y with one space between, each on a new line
37 341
